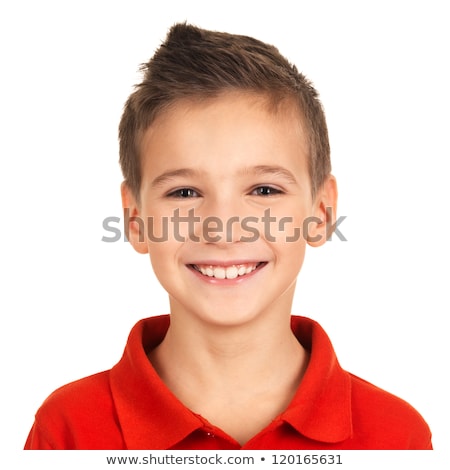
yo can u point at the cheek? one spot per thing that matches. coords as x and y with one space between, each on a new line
163 261
288 226
172 225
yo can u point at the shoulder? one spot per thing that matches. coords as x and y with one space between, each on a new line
76 415
95 387
377 418
389 420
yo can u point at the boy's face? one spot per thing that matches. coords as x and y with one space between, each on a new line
225 207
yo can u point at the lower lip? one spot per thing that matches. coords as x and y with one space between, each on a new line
226 282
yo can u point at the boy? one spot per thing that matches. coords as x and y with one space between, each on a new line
225 155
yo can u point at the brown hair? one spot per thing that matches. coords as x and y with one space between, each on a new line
196 63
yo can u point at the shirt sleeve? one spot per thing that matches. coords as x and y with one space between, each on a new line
36 440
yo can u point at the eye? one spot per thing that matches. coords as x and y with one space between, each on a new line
184 193
266 191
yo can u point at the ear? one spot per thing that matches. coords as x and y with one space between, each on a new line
325 206
133 222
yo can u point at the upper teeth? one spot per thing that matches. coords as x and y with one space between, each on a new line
228 272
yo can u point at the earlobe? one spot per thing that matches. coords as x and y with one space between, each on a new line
133 223
324 218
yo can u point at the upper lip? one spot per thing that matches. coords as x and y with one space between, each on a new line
225 263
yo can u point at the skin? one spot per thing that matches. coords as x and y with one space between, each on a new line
229 353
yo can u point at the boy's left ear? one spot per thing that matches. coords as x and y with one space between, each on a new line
325 205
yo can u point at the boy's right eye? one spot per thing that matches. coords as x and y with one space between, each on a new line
184 193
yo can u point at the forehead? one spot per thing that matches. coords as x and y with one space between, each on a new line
274 106
231 125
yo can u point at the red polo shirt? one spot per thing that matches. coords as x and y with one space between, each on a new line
129 407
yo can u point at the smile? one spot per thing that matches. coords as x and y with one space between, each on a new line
226 272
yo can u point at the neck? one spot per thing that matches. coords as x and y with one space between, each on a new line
239 378
234 358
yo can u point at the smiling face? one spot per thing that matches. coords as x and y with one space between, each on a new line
225 191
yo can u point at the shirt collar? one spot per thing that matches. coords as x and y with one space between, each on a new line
151 417
321 407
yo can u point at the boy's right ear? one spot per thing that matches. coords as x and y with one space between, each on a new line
133 222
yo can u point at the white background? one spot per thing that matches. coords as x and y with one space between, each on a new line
68 300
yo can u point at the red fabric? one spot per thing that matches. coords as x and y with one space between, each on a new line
129 407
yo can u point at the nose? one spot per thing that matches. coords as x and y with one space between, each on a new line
225 220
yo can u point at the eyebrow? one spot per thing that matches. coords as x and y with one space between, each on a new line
271 170
259 170
168 176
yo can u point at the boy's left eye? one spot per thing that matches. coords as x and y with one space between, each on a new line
266 191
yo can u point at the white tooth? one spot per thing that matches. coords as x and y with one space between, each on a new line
241 270
232 272
219 273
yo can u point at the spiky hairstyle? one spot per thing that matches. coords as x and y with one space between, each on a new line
195 63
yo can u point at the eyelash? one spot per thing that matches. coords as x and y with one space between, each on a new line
188 193
181 193
272 191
